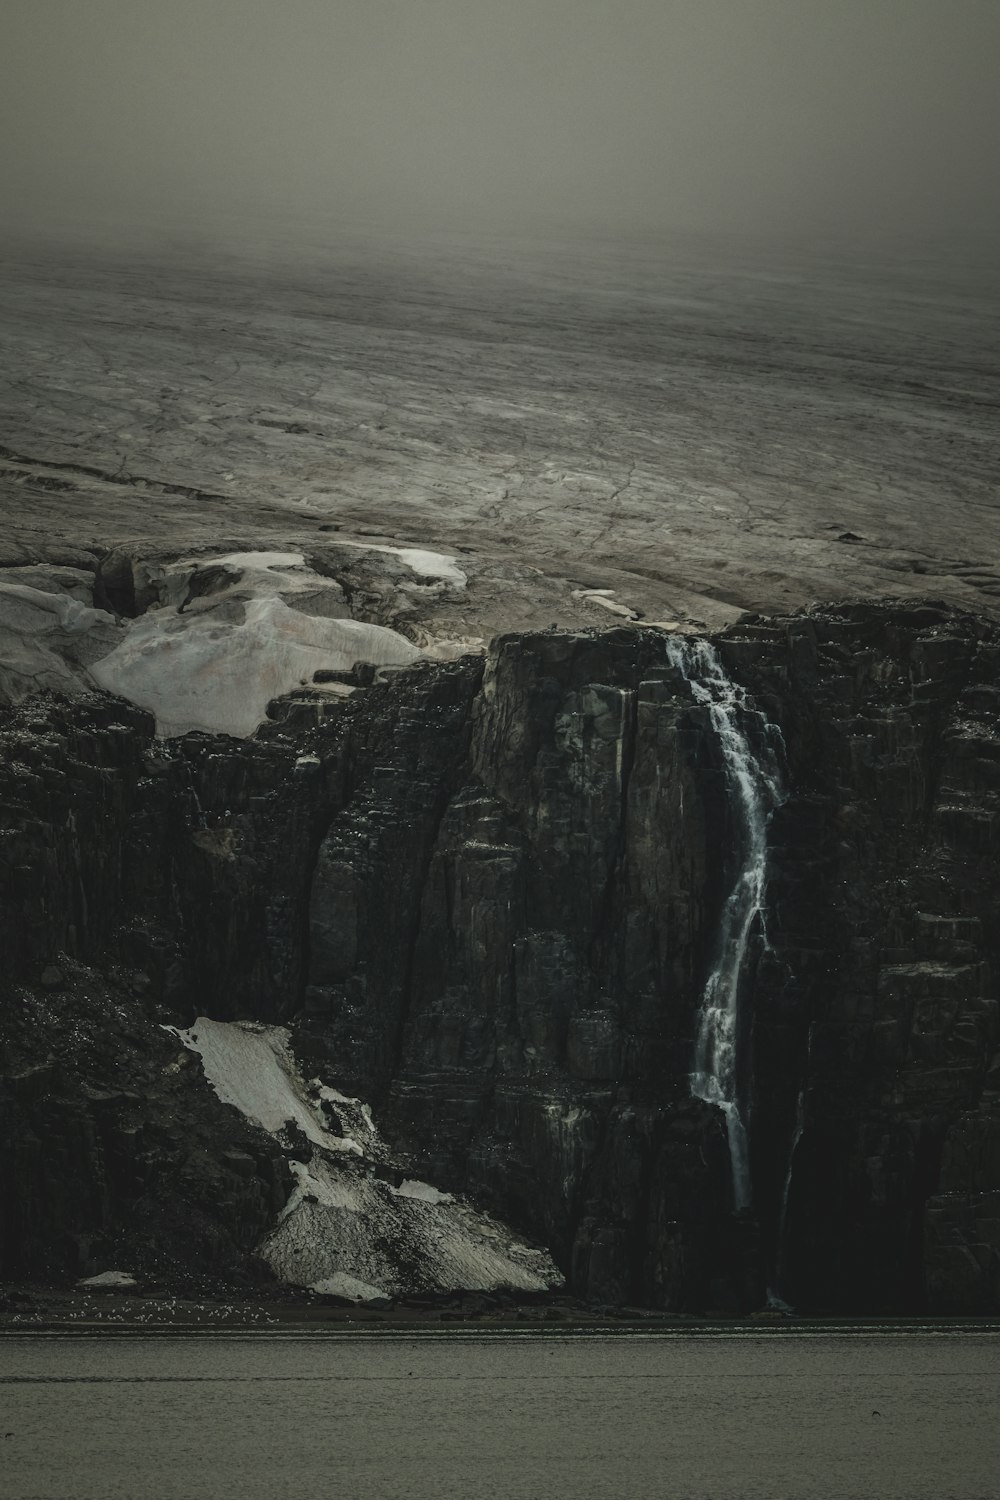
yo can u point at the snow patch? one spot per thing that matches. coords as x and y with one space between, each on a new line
453 647
342 1221
425 564
421 1192
317 1186
109 1280
256 561
48 640
343 1225
349 1288
67 614
250 1067
197 671
603 597
432 565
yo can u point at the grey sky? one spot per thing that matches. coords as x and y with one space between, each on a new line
629 114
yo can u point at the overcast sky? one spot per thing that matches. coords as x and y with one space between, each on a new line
627 115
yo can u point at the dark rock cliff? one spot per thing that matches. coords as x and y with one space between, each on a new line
486 902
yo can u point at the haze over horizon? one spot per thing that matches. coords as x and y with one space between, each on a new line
864 118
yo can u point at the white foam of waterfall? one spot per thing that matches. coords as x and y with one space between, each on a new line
755 790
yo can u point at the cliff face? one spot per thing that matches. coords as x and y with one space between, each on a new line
489 904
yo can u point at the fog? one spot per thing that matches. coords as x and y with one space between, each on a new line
828 116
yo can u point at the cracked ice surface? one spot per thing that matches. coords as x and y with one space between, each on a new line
704 427
199 667
344 1230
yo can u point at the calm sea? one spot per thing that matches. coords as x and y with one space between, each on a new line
528 1417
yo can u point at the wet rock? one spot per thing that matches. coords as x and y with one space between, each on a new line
490 909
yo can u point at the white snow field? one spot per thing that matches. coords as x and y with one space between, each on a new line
345 1230
214 661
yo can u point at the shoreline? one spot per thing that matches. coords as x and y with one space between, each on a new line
60 1313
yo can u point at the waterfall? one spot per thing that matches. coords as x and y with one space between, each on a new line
754 790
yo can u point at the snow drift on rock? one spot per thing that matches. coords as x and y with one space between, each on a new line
47 639
346 1230
435 565
217 668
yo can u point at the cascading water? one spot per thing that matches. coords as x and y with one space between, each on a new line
755 788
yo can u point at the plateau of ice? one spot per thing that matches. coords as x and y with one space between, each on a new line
484 435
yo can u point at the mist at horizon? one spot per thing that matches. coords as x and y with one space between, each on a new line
777 117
